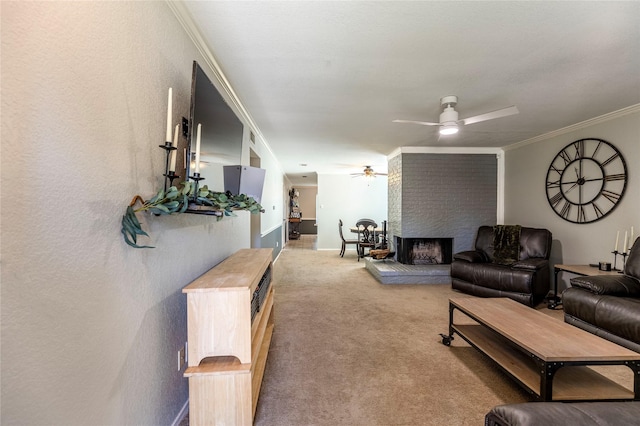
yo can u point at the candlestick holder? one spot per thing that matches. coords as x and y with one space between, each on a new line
171 175
168 174
196 177
615 259
624 260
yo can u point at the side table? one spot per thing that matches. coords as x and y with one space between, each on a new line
582 270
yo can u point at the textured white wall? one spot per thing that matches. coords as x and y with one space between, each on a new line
91 327
307 201
526 202
348 198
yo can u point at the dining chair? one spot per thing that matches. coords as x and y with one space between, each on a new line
366 235
345 242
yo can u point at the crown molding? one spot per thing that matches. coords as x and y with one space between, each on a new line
443 150
581 125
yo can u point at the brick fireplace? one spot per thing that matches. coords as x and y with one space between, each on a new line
441 195
433 195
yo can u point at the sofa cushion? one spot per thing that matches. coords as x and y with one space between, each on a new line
535 242
494 276
615 314
471 256
614 285
484 241
565 414
531 264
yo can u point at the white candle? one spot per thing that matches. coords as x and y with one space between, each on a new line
631 239
172 167
197 169
624 246
169 115
617 238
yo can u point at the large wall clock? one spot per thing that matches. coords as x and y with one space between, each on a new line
586 180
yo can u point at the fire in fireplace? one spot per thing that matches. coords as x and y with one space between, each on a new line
424 251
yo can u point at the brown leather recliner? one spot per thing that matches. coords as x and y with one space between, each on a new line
525 280
597 413
608 305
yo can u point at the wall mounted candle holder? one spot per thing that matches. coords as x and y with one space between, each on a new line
196 178
190 197
186 199
169 175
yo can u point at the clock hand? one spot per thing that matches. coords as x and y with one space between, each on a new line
581 167
580 182
571 187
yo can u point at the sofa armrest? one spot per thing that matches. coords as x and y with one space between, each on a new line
532 264
614 285
471 256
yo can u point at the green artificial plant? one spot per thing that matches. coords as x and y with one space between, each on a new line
176 200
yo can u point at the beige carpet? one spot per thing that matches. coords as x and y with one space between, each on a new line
349 351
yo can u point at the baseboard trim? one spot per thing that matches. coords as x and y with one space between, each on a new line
182 414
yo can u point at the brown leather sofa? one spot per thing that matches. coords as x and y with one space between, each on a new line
610 413
608 305
525 279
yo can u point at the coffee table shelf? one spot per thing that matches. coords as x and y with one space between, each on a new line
570 382
546 356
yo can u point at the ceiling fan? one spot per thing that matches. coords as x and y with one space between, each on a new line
449 122
368 172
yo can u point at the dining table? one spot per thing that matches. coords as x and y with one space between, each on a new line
355 230
376 231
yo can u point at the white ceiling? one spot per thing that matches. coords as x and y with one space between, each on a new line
324 80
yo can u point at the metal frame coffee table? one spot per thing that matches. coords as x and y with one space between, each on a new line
547 357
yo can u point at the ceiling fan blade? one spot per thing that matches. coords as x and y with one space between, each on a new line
422 123
504 112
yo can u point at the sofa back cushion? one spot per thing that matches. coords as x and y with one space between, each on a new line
534 242
612 285
632 267
484 241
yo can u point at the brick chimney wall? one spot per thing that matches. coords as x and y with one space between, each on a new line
442 196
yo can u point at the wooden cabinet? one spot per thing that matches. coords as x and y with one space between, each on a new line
229 328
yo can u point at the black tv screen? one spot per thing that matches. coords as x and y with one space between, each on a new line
221 131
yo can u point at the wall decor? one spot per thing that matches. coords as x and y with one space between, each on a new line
189 197
586 180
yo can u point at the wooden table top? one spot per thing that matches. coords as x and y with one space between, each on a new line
241 270
540 334
585 270
376 230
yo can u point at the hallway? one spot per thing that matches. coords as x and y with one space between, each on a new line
305 242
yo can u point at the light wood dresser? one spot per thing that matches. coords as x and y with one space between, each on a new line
229 328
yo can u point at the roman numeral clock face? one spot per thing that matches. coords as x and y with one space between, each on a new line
586 180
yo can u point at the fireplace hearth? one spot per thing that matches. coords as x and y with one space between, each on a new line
424 251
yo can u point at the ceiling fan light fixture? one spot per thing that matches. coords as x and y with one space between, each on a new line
449 129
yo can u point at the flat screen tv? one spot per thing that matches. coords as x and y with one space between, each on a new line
221 132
